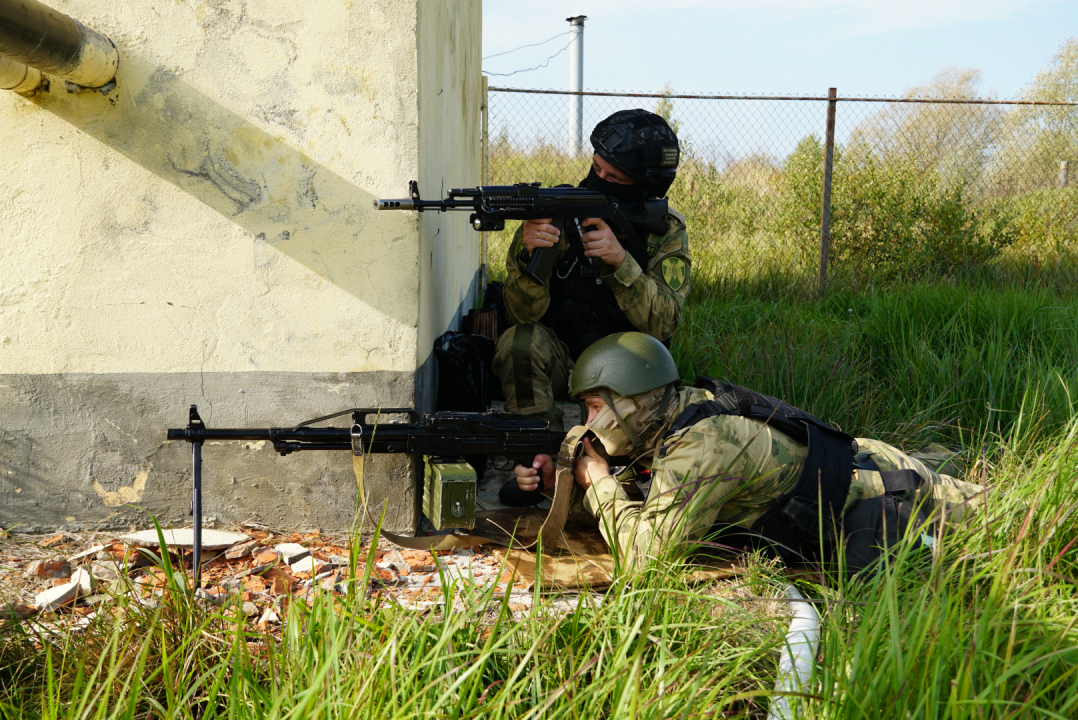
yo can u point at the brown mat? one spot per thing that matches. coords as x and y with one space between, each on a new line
585 563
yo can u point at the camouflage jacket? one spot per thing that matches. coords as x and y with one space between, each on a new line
730 469
650 297
725 469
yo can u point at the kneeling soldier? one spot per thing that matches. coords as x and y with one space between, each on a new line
719 458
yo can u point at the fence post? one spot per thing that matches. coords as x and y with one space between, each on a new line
828 162
1064 172
484 179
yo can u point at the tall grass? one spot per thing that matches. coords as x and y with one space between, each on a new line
915 364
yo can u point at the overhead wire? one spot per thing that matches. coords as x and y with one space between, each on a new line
540 65
488 57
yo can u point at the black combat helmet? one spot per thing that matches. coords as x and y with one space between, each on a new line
641 145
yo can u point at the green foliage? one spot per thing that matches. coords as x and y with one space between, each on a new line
889 220
923 362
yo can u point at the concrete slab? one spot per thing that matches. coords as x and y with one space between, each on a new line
291 552
185 537
56 597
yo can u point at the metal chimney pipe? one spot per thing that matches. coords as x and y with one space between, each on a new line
44 39
576 83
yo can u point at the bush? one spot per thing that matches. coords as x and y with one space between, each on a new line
889 220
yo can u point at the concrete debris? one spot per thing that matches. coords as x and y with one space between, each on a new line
299 568
185 537
84 581
241 550
94 550
307 565
49 569
54 540
56 597
291 552
266 557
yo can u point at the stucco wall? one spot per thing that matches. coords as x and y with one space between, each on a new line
204 233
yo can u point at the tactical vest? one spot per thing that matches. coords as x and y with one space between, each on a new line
811 511
583 308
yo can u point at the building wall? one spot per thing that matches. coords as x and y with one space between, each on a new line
203 233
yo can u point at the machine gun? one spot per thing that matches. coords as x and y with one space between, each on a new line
442 438
492 205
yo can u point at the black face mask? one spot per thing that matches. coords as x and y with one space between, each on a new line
629 194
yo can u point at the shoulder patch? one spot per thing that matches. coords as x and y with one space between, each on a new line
675 214
675 272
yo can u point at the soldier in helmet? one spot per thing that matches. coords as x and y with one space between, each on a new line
721 458
609 277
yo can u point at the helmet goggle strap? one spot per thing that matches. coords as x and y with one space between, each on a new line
658 421
625 427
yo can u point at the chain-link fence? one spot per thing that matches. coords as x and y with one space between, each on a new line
919 185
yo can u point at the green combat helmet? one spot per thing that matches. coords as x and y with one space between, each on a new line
626 364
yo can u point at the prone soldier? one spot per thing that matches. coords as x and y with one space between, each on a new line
719 458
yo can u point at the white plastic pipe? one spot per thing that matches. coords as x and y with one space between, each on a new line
576 83
798 656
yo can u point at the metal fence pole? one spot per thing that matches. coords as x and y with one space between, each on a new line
1064 172
484 179
576 83
828 162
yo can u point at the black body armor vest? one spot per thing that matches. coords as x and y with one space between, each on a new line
811 511
583 308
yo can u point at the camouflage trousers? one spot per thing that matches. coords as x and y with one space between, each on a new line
944 498
533 367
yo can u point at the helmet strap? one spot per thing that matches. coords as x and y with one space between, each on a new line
660 417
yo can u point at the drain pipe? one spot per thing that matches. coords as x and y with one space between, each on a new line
798 656
48 41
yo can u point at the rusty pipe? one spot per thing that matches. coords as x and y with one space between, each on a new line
46 40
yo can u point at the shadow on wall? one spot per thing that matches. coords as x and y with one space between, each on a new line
280 195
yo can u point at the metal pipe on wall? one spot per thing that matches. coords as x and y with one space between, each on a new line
49 41
576 83
17 77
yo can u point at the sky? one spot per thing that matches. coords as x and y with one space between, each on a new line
864 48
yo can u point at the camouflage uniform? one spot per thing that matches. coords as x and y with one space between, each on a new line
729 469
650 297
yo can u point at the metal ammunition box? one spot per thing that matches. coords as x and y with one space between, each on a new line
448 493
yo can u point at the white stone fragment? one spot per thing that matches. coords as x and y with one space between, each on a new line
305 564
85 553
185 537
84 581
269 616
291 552
56 597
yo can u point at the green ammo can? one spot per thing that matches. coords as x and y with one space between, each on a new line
448 492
